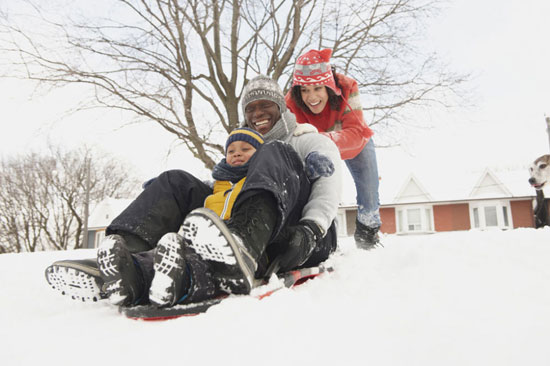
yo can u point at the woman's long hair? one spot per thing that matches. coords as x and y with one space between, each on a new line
334 101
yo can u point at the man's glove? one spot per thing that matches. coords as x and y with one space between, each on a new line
318 165
302 239
304 128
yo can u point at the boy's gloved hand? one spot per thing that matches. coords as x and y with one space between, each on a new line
147 183
318 165
302 239
304 128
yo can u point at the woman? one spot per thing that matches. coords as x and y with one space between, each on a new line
330 101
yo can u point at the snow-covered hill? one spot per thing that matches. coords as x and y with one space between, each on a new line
463 298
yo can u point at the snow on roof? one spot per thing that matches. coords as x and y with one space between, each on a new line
404 184
105 211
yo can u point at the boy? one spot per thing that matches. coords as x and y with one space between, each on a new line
230 173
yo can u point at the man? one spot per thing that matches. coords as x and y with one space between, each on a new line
297 228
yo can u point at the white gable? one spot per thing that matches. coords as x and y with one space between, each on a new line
489 186
412 191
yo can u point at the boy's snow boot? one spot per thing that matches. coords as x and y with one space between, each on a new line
77 278
171 280
123 281
366 237
233 250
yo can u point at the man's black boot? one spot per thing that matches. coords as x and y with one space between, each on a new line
234 248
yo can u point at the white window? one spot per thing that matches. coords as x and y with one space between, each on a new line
490 214
429 218
341 224
414 219
99 235
505 216
475 217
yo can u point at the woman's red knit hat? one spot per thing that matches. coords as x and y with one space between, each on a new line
313 68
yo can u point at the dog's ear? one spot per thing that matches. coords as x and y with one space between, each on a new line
544 159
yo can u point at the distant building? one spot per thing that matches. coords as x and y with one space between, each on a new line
416 204
101 216
444 202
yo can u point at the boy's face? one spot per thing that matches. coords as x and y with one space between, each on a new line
238 153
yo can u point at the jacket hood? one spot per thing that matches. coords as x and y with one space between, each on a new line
283 129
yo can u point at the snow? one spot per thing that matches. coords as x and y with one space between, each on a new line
459 298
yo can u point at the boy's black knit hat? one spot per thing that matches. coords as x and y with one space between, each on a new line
245 134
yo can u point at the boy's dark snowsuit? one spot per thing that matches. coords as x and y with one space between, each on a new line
274 169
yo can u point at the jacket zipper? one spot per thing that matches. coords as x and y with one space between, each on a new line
226 203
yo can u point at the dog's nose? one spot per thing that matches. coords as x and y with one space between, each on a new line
532 181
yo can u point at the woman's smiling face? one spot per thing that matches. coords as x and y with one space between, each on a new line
315 97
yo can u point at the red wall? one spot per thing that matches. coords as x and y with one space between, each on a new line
522 213
387 215
452 217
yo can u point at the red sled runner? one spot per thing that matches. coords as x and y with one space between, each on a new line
284 280
80 280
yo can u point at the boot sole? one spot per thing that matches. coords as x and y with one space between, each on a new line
78 282
169 266
111 266
213 242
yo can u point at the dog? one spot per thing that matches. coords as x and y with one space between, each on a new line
539 172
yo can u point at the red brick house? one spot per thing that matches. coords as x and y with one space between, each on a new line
413 205
501 200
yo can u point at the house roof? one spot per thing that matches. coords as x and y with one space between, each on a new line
105 211
398 185
424 185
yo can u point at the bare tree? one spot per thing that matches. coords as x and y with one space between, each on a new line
183 63
42 197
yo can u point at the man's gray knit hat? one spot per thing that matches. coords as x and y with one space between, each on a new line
263 88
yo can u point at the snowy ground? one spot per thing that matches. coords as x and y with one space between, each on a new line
465 298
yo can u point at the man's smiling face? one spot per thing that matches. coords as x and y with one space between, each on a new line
261 115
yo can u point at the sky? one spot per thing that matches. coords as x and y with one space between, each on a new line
458 298
504 45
